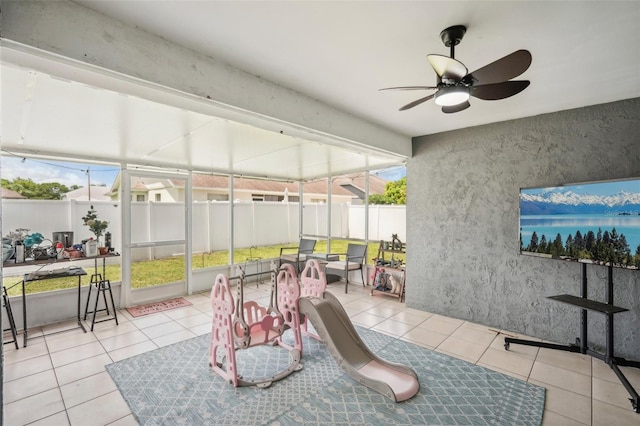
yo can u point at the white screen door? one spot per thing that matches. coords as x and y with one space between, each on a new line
156 257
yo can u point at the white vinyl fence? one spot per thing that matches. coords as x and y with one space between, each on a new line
256 223
49 216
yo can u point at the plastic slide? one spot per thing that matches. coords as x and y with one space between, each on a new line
395 381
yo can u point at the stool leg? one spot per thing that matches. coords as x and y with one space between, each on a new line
95 279
95 309
103 287
113 304
86 308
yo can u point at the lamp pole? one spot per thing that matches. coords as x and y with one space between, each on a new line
89 183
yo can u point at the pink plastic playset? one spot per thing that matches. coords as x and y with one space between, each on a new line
239 325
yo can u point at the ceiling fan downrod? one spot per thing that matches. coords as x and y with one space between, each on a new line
452 36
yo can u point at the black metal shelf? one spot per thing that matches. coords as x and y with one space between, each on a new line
584 303
609 310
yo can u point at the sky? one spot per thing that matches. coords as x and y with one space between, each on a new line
392 173
69 174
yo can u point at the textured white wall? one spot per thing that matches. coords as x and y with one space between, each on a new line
462 211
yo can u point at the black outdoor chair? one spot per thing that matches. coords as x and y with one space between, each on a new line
355 259
299 258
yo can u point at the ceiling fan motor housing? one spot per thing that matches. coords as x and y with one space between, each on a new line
452 36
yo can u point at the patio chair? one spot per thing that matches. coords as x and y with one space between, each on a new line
355 259
299 258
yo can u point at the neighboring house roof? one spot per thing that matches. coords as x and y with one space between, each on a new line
348 185
377 185
98 193
139 186
9 194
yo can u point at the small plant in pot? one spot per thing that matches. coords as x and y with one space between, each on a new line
97 226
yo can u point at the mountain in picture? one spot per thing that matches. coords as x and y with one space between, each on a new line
560 200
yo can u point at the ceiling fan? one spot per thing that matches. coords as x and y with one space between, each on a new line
456 84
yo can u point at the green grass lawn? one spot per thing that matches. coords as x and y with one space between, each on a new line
171 269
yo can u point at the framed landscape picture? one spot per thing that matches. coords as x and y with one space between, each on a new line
595 222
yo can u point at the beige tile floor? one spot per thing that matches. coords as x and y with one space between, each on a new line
61 379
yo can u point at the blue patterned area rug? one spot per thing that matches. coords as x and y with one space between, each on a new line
174 385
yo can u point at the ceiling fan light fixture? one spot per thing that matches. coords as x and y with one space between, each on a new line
450 96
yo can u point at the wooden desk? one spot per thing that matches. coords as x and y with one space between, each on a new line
55 261
73 271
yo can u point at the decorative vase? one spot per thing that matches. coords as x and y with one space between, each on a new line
90 248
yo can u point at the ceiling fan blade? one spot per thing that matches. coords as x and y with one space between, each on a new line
492 92
503 69
447 67
409 88
456 108
417 102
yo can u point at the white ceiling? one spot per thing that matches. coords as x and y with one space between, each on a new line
341 53
49 116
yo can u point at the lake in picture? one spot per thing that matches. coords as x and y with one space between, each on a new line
551 225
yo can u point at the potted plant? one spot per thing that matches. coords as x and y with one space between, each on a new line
96 226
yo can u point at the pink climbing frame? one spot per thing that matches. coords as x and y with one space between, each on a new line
242 325
314 283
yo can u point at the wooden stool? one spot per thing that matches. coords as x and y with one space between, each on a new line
102 287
